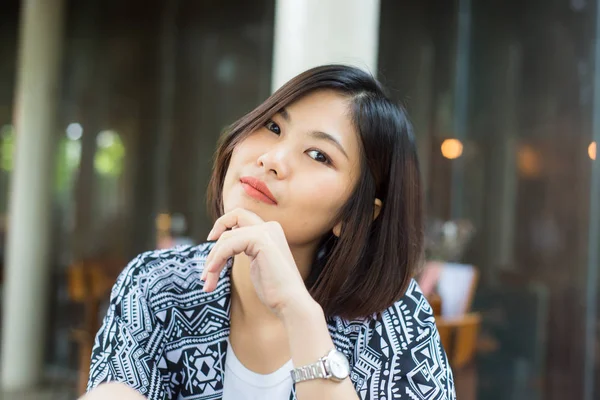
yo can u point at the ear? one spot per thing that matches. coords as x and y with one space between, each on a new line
377 208
337 229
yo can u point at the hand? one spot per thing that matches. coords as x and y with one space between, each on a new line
273 270
112 390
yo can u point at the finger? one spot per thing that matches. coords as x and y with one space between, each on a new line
210 256
236 218
210 278
222 237
244 240
210 284
208 259
221 252
231 244
204 273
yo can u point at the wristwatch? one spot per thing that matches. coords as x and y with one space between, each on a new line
333 366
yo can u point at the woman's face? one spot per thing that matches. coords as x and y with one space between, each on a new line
307 156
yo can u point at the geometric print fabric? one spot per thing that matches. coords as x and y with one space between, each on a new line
166 338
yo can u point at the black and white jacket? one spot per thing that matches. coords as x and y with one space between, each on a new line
167 338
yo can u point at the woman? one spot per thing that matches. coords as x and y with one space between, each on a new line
304 289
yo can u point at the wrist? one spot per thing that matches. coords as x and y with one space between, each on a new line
307 331
300 309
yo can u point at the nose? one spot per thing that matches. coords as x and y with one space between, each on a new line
275 161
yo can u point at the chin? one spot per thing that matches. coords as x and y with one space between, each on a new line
252 205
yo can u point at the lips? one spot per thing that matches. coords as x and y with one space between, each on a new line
258 190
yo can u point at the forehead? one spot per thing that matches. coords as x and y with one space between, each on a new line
325 111
321 105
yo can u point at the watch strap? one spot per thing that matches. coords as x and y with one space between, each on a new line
312 371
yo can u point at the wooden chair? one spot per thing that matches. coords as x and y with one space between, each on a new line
450 289
89 283
459 337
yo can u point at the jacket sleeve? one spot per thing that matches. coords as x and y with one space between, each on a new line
403 357
129 345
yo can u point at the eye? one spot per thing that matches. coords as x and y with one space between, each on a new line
273 127
319 156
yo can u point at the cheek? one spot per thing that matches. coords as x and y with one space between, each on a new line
237 155
329 195
316 208
252 146
247 150
241 155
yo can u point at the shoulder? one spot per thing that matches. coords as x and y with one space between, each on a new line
406 325
399 349
159 271
409 322
412 306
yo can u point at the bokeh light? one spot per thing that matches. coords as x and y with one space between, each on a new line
452 148
74 131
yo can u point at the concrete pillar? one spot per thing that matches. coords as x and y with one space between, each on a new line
315 32
27 247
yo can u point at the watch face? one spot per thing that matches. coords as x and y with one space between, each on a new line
338 365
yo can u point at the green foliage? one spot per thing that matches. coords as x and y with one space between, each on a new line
110 154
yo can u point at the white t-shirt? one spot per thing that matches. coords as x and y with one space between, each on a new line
242 384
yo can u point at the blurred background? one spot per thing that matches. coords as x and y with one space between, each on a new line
110 112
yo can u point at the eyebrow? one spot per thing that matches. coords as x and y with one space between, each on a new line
317 134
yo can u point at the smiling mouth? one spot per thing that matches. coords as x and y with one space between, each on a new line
257 189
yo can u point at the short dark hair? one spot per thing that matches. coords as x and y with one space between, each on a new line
369 266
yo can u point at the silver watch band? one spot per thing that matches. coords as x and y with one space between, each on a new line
311 371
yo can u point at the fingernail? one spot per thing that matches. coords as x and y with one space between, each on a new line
210 234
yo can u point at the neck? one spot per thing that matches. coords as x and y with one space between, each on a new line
246 307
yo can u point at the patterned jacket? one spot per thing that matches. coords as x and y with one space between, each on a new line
167 338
